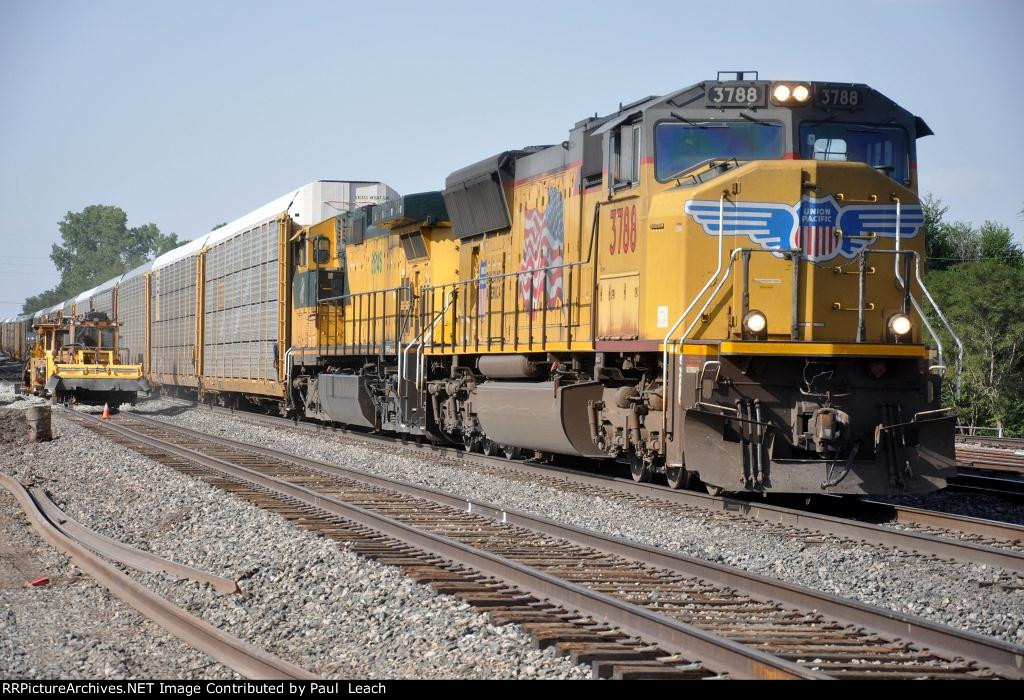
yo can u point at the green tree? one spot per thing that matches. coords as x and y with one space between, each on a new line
995 242
946 243
96 245
983 300
44 300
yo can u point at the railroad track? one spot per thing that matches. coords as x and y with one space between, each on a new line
993 466
992 458
635 611
229 650
1015 443
912 530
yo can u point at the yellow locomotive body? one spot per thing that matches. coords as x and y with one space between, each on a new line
696 286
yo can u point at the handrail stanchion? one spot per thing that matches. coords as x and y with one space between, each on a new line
666 404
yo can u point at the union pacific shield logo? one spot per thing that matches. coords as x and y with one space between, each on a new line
812 225
817 233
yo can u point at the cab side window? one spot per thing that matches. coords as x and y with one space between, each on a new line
626 156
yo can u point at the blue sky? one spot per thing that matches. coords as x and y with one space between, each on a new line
187 114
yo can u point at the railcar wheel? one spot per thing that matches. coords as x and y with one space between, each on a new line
512 452
679 477
489 447
640 470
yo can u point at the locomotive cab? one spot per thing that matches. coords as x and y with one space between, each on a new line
795 330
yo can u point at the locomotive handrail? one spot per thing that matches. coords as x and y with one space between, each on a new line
945 322
917 307
403 354
664 353
935 306
355 294
519 274
428 332
340 299
924 318
534 270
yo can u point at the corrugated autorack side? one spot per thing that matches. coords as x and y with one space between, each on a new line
723 282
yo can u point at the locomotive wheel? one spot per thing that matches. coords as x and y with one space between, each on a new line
679 477
640 469
511 452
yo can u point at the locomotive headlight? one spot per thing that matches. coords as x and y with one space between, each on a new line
900 325
791 94
755 323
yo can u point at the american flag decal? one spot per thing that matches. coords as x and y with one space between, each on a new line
543 246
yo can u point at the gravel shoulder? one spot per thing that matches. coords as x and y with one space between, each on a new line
72 628
304 598
975 597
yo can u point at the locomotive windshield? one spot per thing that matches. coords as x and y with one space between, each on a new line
882 147
681 146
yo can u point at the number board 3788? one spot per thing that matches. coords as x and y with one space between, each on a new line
735 94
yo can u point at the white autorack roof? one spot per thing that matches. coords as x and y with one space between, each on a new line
309 204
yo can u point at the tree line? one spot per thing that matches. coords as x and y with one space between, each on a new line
96 245
977 278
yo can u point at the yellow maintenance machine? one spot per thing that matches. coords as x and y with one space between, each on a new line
75 359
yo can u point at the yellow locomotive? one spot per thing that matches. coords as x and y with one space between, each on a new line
723 283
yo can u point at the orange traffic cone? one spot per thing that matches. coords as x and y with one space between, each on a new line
106 411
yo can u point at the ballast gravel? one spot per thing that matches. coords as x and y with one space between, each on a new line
980 598
71 628
304 598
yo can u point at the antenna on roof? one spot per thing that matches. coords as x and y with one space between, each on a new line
737 74
294 196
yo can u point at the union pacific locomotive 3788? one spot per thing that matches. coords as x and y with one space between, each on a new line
721 284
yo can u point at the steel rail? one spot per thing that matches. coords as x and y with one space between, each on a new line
991 458
1005 658
964 523
127 555
990 441
229 650
721 654
948 548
